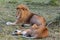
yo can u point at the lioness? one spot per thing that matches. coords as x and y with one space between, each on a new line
24 16
33 32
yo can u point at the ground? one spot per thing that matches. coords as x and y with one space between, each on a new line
49 12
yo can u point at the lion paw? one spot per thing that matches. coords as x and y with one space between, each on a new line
8 23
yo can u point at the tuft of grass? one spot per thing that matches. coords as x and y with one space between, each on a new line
53 3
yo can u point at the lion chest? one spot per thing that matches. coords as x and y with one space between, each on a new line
35 20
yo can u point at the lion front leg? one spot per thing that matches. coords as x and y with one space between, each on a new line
10 23
13 23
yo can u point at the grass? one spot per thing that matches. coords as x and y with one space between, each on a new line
8 11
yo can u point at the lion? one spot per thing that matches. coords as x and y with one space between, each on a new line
33 32
25 16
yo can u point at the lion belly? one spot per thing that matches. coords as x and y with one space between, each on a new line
35 20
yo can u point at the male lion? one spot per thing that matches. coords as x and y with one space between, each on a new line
24 16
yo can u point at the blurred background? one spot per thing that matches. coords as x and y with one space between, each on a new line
49 9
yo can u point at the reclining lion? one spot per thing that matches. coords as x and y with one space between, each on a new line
33 32
24 16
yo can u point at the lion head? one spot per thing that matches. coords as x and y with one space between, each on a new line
22 10
34 27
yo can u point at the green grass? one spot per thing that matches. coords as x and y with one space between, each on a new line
8 11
